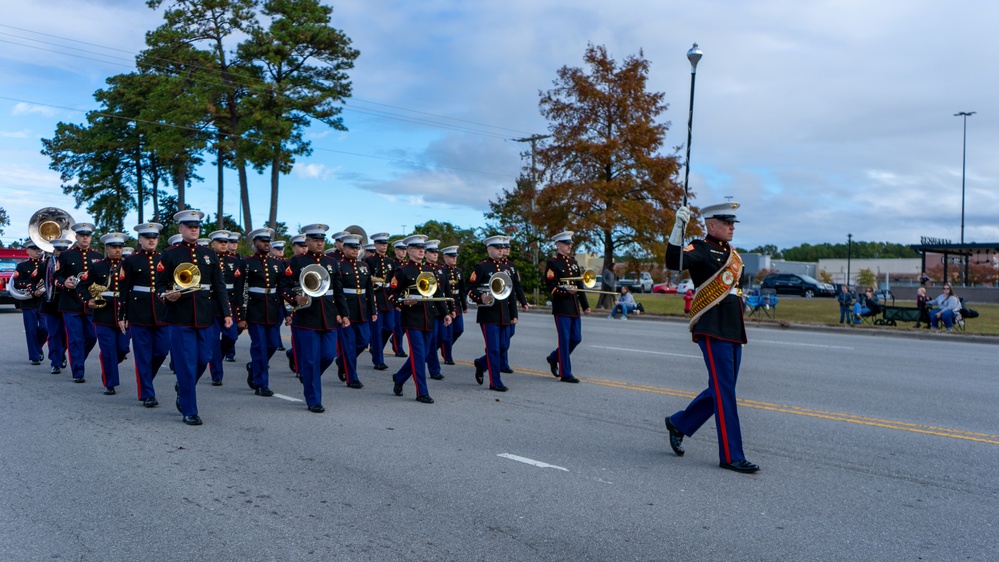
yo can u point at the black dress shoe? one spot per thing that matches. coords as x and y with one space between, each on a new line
397 389
552 365
35 362
249 377
569 379
63 362
448 362
381 367
193 420
264 392
355 384
291 362
426 399
230 359
151 402
675 438
479 371
742 466
55 370
317 408
109 391
178 405
499 388
280 348
507 371
41 357
340 373
401 354
216 382
79 380
437 377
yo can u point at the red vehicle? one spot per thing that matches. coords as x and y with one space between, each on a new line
9 258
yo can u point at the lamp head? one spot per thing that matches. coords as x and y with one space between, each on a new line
694 55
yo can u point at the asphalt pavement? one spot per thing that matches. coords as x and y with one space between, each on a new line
871 448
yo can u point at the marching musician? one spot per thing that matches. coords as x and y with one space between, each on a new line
401 259
262 312
113 341
567 303
224 340
80 332
418 317
233 263
369 251
174 240
54 325
432 253
455 278
717 326
142 312
277 252
299 247
382 267
495 317
361 312
29 278
518 293
314 327
191 315
337 252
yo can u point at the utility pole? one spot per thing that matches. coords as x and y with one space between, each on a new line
533 139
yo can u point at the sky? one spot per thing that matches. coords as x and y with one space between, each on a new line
821 118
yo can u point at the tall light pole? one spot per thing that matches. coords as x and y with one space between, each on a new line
533 139
849 256
964 162
694 56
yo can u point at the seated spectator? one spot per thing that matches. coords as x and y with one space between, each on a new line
948 307
845 299
625 303
924 310
867 305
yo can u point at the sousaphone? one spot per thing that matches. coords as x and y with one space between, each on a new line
48 224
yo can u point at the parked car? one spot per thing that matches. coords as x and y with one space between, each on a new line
795 284
665 288
8 262
637 282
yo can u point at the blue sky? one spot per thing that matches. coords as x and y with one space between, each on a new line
821 118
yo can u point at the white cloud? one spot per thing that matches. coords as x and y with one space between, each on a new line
23 134
313 171
22 108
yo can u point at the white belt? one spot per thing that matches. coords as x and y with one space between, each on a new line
329 293
354 291
262 290
733 292
229 287
141 289
206 287
109 294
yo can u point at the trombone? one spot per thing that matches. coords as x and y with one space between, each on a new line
313 282
186 279
426 286
498 288
589 279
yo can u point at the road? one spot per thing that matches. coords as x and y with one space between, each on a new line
870 448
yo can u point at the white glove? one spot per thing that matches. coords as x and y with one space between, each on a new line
680 227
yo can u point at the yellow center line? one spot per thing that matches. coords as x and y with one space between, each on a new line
788 409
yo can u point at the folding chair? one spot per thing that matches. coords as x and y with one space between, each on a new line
752 305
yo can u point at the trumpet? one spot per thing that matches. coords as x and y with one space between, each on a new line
589 279
313 282
498 288
426 286
186 279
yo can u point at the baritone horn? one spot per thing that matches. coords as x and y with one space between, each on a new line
499 288
426 286
186 279
313 282
48 224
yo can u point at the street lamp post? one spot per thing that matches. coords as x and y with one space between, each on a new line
964 162
849 256
694 56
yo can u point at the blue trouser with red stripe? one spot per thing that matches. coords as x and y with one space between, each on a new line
114 347
57 338
570 333
353 340
225 341
81 338
419 345
718 399
377 329
314 353
150 346
35 333
397 331
493 334
264 341
451 334
504 358
191 350
433 347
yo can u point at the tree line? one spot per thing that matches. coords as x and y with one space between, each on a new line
858 250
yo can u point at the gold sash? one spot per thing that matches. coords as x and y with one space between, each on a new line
716 288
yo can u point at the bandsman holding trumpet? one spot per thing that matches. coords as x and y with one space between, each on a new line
143 313
29 280
401 259
416 290
361 312
262 312
191 311
80 332
490 287
382 268
318 315
563 280
456 279
99 288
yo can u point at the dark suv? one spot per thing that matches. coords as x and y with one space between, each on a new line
794 284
